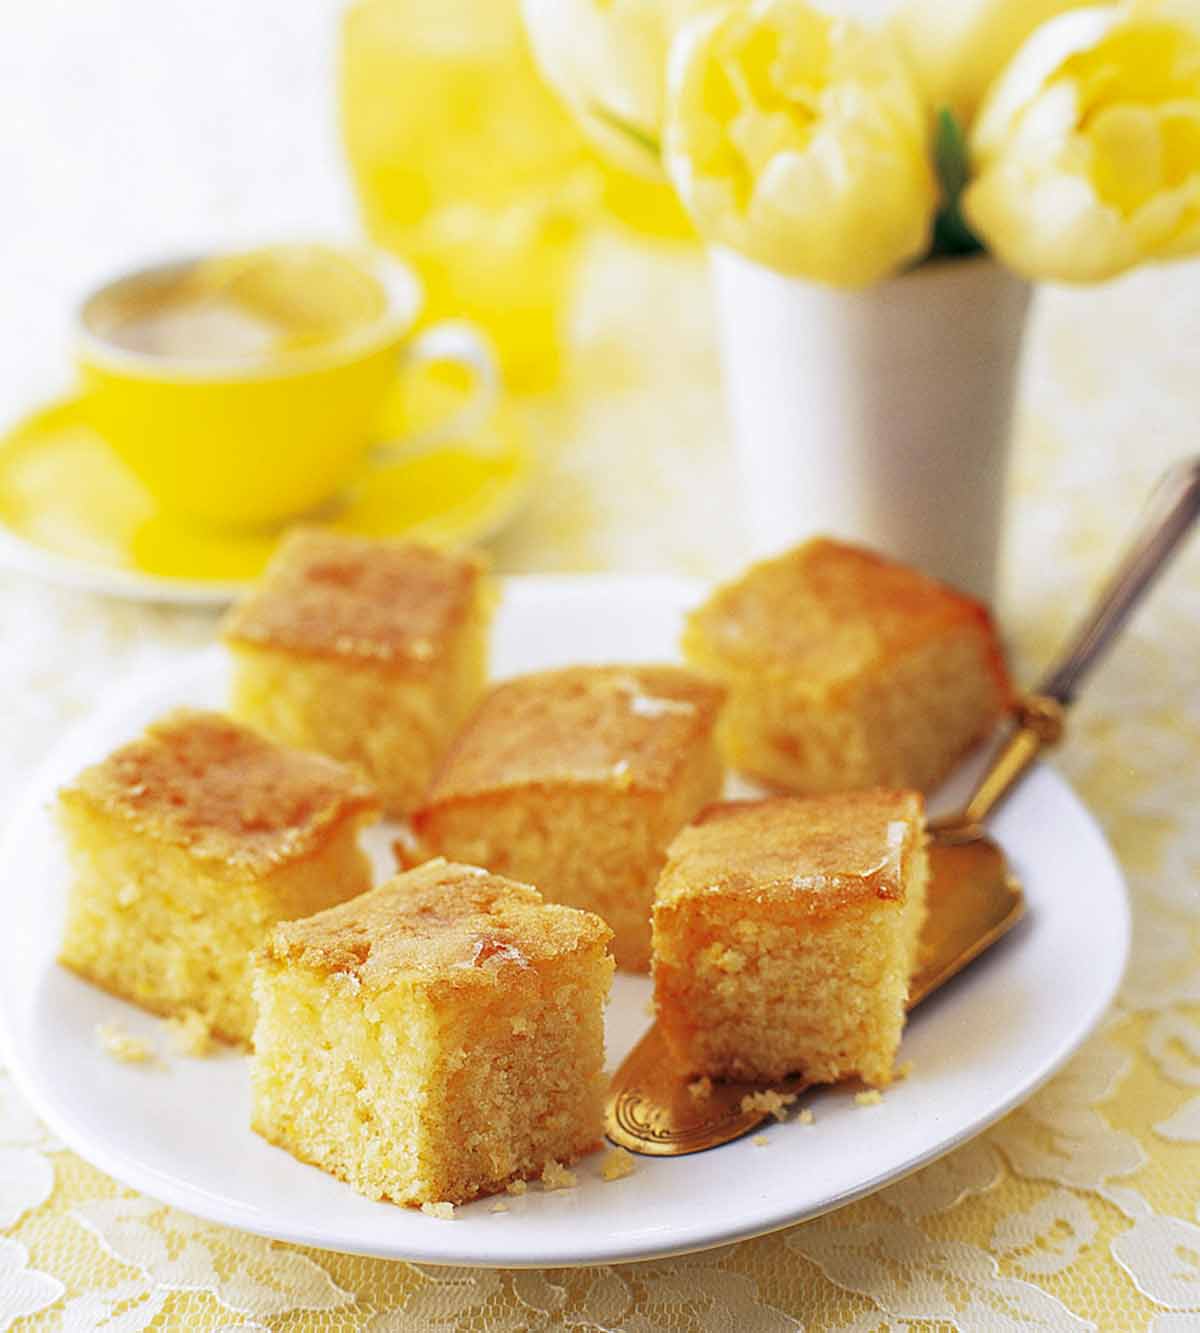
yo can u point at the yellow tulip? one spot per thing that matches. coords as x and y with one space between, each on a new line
1087 151
799 139
957 48
607 60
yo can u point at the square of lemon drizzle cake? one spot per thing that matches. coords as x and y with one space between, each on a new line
576 780
847 670
187 845
435 1039
785 934
370 651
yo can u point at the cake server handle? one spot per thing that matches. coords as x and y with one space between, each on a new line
1169 517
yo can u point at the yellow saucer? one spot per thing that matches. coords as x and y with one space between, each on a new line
70 511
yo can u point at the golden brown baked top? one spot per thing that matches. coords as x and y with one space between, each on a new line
818 852
826 612
326 594
441 922
625 727
203 782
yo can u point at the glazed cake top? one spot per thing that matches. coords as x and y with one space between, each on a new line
826 612
820 852
326 594
625 727
441 922
203 782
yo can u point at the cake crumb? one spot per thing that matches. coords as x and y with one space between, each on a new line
805 1117
904 1070
555 1176
189 1034
774 1103
443 1211
760 1140
498 1207
872 1097
516 1187
520 1025
123 1046
701 1088
617 1165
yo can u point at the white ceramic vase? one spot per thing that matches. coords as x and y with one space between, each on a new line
881 416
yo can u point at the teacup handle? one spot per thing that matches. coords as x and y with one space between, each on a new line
461 343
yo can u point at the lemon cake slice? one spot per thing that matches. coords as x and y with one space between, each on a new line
577 780
785 934
435 1039
187 846
847 670
372 652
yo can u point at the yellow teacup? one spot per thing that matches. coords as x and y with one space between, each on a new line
242 389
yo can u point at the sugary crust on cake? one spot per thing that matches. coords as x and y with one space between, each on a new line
819 853
629 728
826 613
326 594
441 922
202 782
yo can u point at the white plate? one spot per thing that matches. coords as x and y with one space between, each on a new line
178 1130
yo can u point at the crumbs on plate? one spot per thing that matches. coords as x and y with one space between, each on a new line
773 1103
123 1046
555 1176
617 1165
189 1034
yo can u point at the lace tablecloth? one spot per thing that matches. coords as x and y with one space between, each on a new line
1077 1211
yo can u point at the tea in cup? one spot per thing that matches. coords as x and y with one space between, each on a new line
243 389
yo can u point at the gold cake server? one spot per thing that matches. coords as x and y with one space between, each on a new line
973 897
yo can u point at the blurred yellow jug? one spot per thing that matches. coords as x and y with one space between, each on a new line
468 165
243 389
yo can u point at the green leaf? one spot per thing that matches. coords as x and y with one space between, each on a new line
951 159
635 133
950 156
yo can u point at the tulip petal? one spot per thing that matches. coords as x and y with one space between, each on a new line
1127 166
1088 151
798 139
958 48
606 60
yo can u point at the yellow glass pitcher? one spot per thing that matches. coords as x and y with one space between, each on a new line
468 167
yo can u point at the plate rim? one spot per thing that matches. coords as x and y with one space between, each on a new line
191 1198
